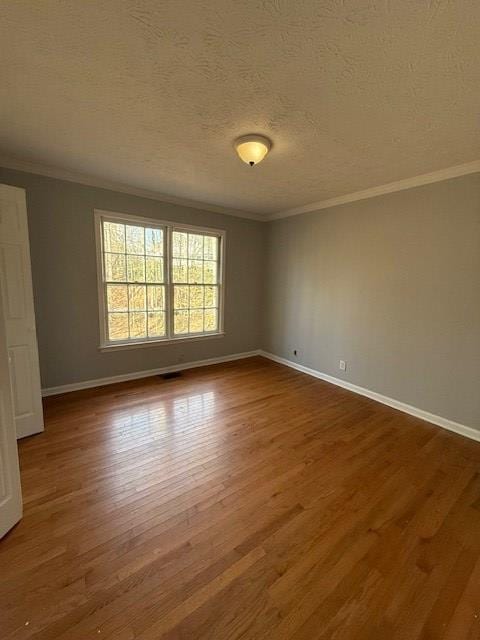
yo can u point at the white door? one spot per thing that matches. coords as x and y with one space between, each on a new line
18 311
10 492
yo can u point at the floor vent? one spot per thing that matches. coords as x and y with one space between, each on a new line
170 375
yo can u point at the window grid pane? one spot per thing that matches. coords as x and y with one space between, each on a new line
135 237
156 298
156 324
195 308
134 277
195 277
117 297
114 237
138 324
153 242
118 326
135 288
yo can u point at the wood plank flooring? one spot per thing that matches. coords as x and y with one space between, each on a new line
242 501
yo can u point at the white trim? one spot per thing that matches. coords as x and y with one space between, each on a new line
167 227
391 187
456 427
144 221
139 344
92 181
101 382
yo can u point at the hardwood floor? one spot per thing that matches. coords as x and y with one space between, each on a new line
246 501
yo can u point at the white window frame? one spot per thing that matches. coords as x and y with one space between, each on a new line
100 216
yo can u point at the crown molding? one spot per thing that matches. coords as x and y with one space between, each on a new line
391 187
92 181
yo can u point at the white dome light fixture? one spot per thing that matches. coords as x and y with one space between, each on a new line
253 148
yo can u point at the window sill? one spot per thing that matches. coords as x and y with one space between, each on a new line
158 343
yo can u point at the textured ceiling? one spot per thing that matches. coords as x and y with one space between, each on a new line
152 93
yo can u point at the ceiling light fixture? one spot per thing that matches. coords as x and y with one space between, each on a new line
252 149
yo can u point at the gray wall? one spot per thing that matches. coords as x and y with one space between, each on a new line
392 286
62 245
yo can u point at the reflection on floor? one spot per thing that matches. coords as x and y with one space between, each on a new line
243 500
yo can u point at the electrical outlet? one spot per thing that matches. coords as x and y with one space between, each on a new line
294 352
342 365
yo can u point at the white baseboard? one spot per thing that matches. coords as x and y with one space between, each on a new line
100 382
456 427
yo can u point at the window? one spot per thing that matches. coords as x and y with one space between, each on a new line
158 281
